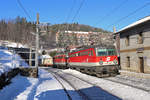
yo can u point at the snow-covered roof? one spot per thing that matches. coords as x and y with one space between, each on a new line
135 23
46 56
80 32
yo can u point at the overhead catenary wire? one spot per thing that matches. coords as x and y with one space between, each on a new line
110 13
69 14
130 14
78 10
24 9
67 18
71 9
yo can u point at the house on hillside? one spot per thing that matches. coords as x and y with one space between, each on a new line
135 46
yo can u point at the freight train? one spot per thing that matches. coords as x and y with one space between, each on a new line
95 60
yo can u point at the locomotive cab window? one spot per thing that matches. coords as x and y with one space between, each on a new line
112 52
106 52
101 52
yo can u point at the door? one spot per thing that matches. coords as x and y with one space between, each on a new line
141 64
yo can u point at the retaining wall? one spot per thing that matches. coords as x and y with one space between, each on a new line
5 78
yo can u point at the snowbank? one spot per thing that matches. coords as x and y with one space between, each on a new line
10 60
46 87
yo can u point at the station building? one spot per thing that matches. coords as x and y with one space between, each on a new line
135 46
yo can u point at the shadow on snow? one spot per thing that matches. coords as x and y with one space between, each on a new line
15 88
93 92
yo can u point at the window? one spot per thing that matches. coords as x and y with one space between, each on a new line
141 64
102 52
140 38
73 55
112 52
83 53
128 61
127 41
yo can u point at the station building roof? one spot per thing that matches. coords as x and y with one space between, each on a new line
143 20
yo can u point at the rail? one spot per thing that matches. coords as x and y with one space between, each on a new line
86 91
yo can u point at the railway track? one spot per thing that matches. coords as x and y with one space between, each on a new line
69 97
121 82
83 96
117 81
86 89
131 85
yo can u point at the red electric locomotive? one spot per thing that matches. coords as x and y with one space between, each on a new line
59 60
96 60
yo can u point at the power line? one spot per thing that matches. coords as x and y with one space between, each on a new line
75 13
78 10
110 13
70 14
72 7
24 9
125 17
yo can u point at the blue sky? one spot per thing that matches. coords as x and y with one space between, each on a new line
93 12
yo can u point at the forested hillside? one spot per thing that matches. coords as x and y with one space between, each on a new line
19 30
77 27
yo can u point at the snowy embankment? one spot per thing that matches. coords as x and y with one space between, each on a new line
123 91
46 87
9 60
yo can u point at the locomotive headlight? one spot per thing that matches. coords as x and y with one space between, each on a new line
101 62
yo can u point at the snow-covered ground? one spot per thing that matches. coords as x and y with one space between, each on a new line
9 60
86 89
46 87
123 91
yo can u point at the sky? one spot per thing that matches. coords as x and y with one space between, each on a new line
103 14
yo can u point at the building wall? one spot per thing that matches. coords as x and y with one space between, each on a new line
135 50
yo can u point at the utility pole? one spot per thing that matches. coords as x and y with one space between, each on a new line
37 43
30 55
